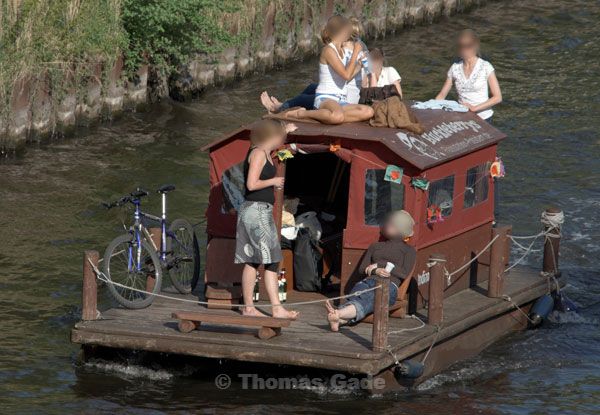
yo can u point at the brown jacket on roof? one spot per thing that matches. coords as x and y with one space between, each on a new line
393 113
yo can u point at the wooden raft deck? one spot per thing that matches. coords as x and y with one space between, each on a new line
308 341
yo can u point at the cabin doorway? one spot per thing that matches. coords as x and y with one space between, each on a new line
317 189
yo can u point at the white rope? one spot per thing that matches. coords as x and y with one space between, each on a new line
439 330
523 247
553 220
102 277
422 324
449 275
510 300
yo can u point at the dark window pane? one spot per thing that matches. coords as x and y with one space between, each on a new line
381 197
233 188
441 194
476 186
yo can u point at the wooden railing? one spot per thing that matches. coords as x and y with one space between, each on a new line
499 258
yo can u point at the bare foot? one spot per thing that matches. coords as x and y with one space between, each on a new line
277 104
297 113
252 312
332 316
266 102
280 312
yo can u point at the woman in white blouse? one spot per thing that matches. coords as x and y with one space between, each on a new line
473 77
382 75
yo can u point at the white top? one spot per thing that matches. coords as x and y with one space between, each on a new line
388 76
331 82
353 86
474 89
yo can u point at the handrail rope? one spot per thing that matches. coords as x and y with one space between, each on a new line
439 330
510 300
523 247
102 277
552 221
464 266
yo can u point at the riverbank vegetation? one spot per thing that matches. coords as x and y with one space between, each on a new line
63 41
67 62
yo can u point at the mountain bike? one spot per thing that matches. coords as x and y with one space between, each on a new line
133 259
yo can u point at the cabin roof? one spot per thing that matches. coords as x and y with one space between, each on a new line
448 135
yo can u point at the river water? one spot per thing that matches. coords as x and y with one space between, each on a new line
546 55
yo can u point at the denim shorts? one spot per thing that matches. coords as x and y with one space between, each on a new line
364 302
320 98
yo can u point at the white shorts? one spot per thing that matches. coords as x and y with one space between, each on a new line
320 98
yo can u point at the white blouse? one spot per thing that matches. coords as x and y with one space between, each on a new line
388 76
474 89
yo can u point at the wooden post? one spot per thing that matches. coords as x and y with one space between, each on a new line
498 252
551 245
435 309
381 314
278 206
156 234
89 292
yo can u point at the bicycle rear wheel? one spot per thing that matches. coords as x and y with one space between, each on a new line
129 265
183 260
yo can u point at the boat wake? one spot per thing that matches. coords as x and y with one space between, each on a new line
130 371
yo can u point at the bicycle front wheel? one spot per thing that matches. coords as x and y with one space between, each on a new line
130 268
183 260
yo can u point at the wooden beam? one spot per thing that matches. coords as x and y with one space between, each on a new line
89 292
232 319
551 245
435 307
498 252
381 314
279 193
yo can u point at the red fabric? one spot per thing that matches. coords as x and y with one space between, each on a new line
364 155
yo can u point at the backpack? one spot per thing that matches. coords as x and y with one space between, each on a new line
308 262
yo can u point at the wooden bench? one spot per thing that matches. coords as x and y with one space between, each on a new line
269 326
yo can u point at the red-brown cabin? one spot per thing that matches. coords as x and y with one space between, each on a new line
340 170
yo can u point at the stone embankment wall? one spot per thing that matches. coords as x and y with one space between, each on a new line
276 31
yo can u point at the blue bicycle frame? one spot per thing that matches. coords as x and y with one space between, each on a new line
137 233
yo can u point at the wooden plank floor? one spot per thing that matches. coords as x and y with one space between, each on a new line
308 341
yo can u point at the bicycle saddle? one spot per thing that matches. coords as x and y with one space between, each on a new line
165 188
138 193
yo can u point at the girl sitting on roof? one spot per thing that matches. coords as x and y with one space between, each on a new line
257 239
473 77
335 70
382 75
306 98
398 226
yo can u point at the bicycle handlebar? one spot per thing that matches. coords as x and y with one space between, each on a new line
137 194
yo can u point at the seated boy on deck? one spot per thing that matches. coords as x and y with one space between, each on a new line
396 229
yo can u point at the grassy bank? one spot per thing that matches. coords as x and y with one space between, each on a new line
66 62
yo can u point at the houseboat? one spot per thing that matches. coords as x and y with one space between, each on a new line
463 294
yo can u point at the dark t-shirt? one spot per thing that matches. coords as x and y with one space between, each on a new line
398 252
268 172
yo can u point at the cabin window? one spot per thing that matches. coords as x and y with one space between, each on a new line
441 195
381 197
233 188
476 186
